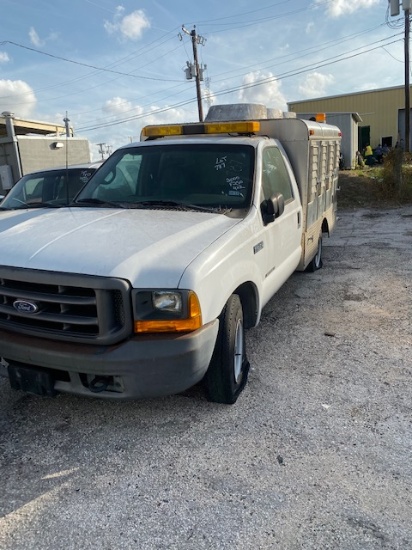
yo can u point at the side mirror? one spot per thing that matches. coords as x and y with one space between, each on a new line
272 208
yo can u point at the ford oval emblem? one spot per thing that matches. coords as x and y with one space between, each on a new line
24 306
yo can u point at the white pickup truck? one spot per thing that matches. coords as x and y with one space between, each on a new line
144 285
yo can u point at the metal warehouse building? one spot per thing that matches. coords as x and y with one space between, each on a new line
381 112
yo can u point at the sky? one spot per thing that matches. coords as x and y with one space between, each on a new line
113 67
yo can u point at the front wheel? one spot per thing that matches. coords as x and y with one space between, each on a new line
229 367
316 262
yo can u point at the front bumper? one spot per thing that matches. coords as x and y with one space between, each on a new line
143 366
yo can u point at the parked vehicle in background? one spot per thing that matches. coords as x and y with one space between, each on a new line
50 187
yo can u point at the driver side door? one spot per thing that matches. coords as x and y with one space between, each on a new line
282 237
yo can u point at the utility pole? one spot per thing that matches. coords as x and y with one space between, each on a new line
101 149
407 91
195 70
66 121
394 9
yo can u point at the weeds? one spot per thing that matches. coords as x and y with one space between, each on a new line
396 176
388 183
379 186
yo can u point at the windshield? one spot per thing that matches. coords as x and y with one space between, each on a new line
209 176
51 188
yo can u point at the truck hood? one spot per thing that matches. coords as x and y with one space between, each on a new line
152 247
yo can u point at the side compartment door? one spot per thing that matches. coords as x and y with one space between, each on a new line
321 191
320 180
282 238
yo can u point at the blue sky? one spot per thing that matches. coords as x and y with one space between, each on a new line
114 67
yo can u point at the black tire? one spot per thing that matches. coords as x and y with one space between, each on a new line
316 262
229 368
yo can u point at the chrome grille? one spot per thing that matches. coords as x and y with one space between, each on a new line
66 307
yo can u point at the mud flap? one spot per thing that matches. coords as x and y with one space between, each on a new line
31 380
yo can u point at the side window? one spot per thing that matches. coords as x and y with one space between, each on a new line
275 177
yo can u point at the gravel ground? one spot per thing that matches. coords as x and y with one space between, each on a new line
316 454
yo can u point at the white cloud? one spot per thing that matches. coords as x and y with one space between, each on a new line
134 24
4 58
122 108
130 26
34 37
120 10
18 97
315 84
267 93
37 41
336 8
169 115
117 106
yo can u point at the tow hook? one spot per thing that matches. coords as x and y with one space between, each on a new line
99 384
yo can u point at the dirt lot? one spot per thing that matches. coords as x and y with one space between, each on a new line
316 454
357 190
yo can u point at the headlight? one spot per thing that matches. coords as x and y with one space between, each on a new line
166 311
166 300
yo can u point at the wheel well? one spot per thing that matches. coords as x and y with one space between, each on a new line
248 296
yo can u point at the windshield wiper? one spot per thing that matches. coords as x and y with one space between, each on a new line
183 205
97 202
43 205
25 206
151 204
159 202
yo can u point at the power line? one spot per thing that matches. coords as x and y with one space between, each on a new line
299 53
122 60
86 64
244 13
131 56
330 61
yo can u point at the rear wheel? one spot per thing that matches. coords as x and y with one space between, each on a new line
316 262
229 367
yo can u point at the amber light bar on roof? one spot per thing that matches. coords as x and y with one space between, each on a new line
238 127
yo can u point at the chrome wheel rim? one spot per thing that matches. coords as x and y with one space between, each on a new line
238 351
318 255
